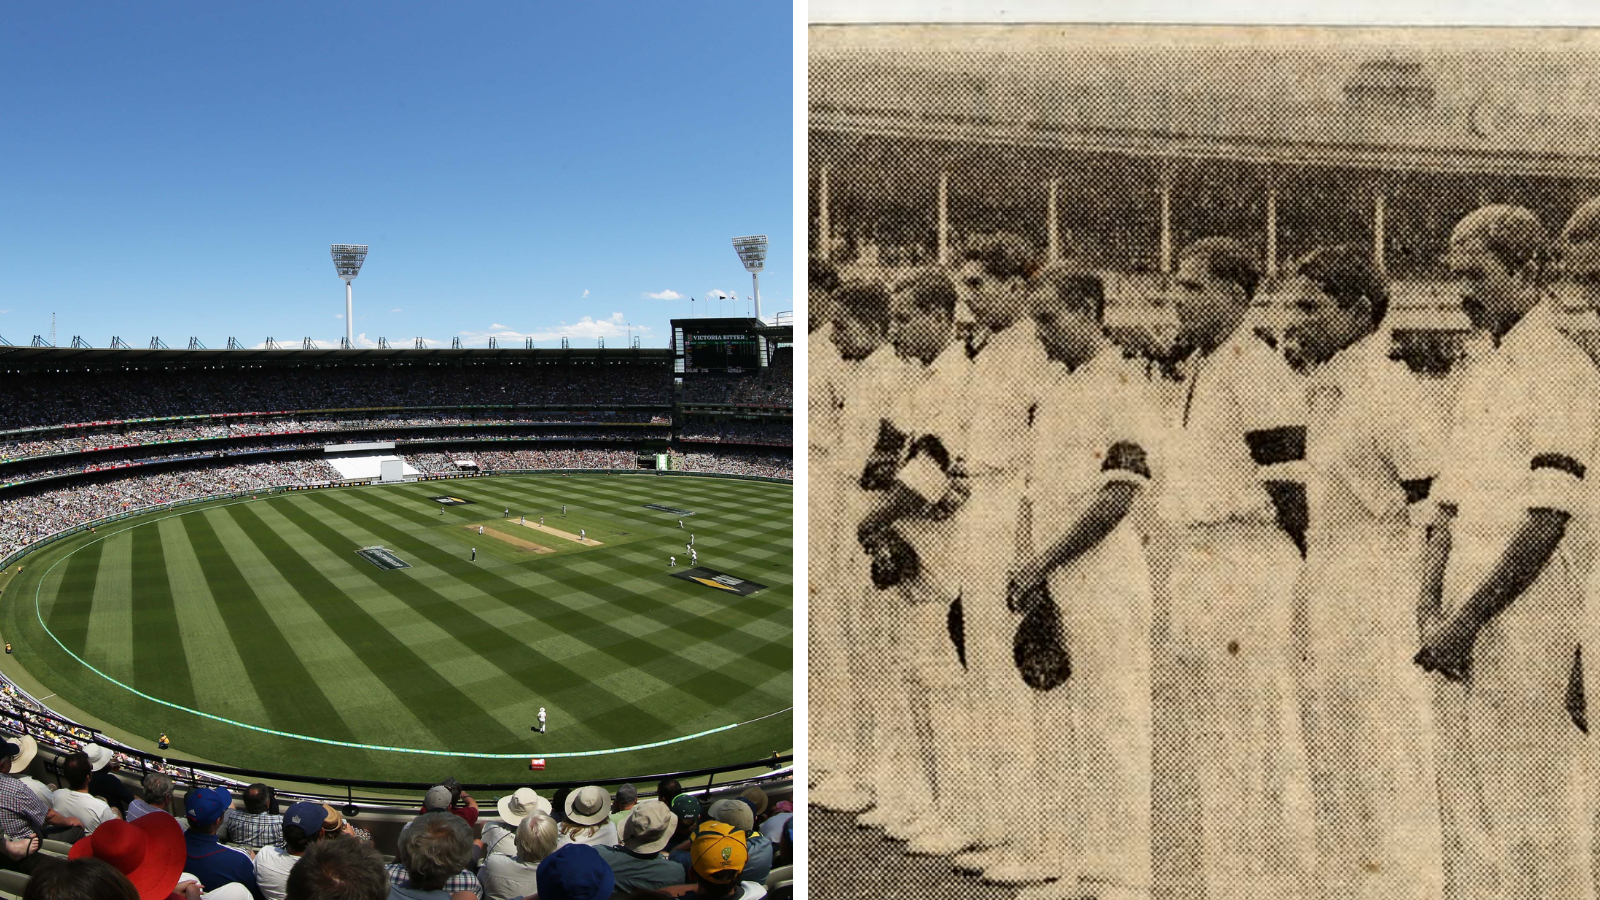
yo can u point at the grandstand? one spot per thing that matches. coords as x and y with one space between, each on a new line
735 380
112 461
911 151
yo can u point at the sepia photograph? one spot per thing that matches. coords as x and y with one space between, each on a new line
1202 426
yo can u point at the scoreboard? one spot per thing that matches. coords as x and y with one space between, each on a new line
721 352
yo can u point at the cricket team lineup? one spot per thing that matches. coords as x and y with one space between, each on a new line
1257 612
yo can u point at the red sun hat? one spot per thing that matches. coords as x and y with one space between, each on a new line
149 850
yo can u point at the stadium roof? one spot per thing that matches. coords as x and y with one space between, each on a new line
45 356
781 332
1134 105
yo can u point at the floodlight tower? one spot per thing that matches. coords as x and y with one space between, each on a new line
347 259
752 252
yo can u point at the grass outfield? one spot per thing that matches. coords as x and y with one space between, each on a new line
262 613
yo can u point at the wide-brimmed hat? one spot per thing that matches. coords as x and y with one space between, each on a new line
649 827
589 805
757 798
99 757
523 803
149 850
27 749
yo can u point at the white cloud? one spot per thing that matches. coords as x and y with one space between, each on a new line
665 295
4 311
394 310
338 315
587 329
586 292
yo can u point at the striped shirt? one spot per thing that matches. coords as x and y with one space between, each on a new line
253 830
463 880
21 811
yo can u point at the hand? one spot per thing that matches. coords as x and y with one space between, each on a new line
191 890
1447 648
1024 583
74 822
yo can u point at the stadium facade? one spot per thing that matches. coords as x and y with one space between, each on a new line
1112 165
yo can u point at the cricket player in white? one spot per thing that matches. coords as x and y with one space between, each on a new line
916 476
1232 498
1370 730
1093 444
827 643
1501 612
541 720
986 426
870 376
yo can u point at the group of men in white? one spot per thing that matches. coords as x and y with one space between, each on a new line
1337 602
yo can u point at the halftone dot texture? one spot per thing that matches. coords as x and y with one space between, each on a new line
1239 722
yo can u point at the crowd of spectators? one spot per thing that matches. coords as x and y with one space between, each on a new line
30 513
707 430
53 398
584 458
583 844
16 449
765 465
773 387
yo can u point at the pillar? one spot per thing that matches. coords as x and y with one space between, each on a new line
944 217
1166 219
824 222
1272 230
1379 226
1052 223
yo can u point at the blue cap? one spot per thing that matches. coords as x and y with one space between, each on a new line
575 872
206 805
308 816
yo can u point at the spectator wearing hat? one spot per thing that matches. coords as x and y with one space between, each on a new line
735 813
256 825
103 782
213 863
338 870
772 826
575 872
500 836
587 818
623 803
718 854
687 808
433 848
27 749
149 852
449 797
637 862
157 799
515 875
301 827
23 816
75 800
336 825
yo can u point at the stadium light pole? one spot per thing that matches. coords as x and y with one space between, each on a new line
347 260
752 252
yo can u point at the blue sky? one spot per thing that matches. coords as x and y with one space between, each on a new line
517 168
